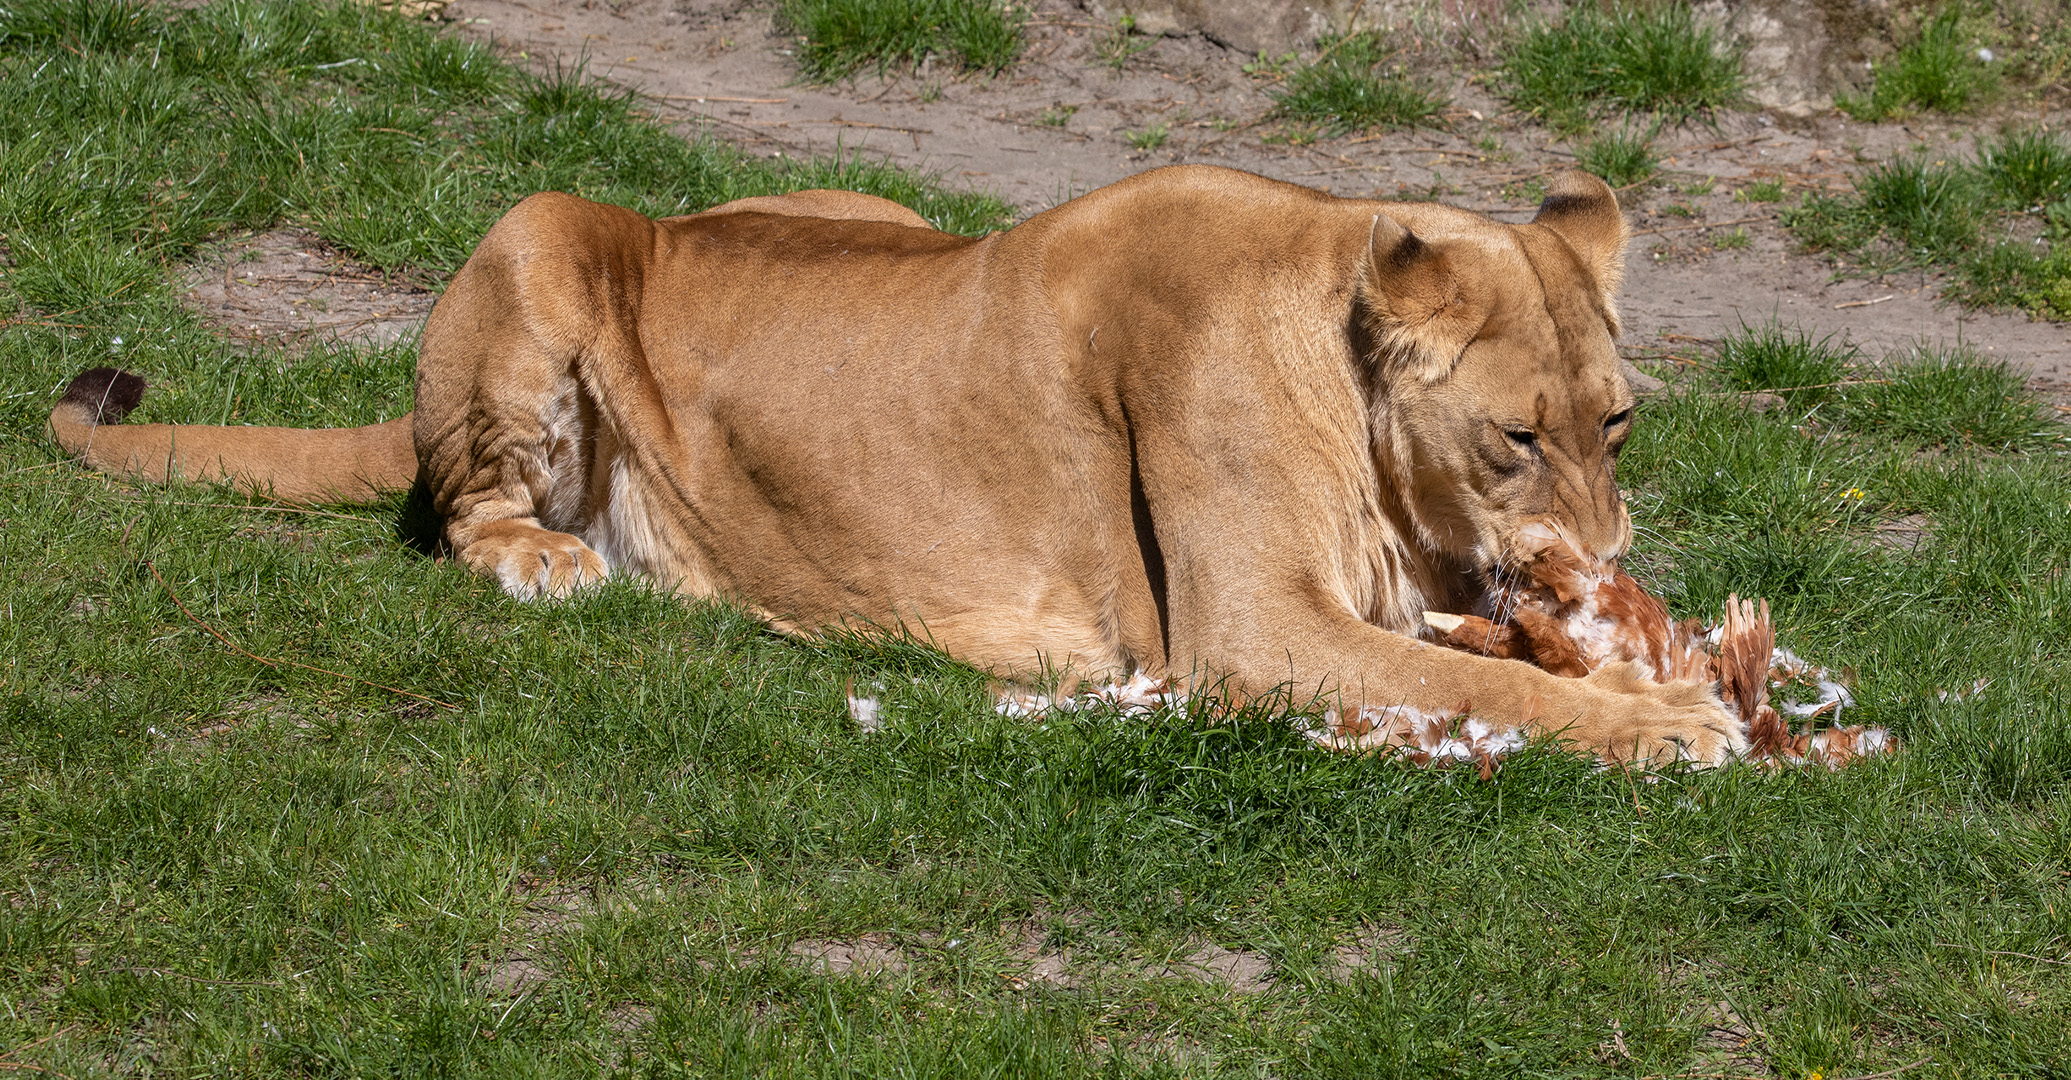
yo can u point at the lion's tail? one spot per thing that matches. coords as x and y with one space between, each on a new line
292 464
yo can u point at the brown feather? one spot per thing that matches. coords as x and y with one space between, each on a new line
1552 648
1478 635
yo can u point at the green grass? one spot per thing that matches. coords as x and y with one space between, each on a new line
1929 208
1772 358
1947 398
2017 274
1348 88
1999 224
188 124
2028 168
1937 71
1150 138
214 866
1761 191
2043 59
1622 159
839 37
1924 397
1622 59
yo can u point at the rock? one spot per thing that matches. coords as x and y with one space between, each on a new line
1800 53
1250 26
1642 383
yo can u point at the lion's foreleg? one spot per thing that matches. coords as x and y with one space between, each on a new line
1612 713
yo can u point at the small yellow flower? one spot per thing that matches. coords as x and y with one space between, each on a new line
1854 493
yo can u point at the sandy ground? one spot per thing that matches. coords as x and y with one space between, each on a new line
1057 124
286 286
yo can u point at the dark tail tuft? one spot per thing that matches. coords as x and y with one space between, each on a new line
107 394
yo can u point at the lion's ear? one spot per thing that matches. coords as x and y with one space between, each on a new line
1583 211
1416 305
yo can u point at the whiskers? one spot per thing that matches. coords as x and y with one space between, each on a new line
1505 586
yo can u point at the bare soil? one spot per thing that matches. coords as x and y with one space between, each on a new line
1029 963
286 287
1058 123
871 954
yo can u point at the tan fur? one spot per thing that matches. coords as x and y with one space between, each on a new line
346 464
1196 423
293 464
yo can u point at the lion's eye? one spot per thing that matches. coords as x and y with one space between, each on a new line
1522 438
1617 418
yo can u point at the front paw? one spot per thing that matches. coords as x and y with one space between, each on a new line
1642 722
1704 735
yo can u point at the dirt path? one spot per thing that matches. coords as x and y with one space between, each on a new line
1058 124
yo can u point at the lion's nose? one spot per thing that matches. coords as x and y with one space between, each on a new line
1610 533
1600 532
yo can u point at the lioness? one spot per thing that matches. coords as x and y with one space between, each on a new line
1197 422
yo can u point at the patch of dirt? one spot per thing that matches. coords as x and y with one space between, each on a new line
720 63
1902 534
1040 965
1048 969
287 288
1036 962
870 954
552 907
1242 971
1668 303
236 715
1058 123
512 976
1367 952
177 737
628 1018
1727 1048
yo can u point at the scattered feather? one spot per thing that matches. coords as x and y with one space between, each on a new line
1570 616
1140 693
866 709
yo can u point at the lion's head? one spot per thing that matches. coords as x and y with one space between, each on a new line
1498 399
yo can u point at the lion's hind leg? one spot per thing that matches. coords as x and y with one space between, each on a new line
522 496
506 425
512 479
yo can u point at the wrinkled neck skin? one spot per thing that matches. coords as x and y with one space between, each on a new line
1436 575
